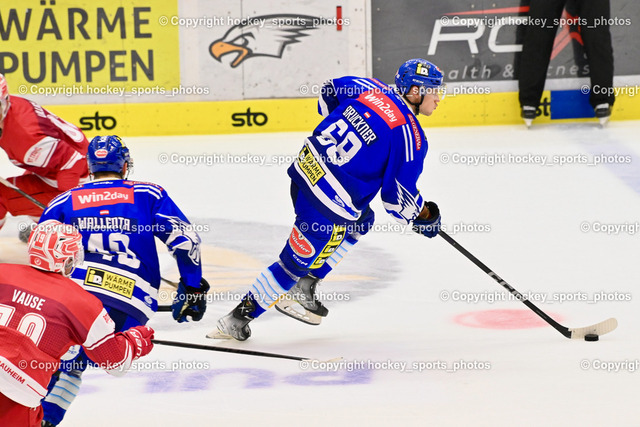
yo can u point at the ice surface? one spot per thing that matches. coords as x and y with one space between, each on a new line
404 292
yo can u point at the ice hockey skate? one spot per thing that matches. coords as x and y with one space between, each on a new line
603 113
528 113
301 302
235 324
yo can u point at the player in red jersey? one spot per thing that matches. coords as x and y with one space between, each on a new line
51 150
42 314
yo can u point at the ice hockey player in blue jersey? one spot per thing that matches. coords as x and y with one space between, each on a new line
370 141
119 221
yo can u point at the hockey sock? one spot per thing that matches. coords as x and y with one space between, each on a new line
269 285
335 258
60 396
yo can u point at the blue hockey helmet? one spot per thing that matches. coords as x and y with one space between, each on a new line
421 73
108 154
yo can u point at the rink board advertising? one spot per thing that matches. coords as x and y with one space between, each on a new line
475 41
87 47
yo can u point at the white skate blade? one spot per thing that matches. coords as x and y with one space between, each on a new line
217 335
286 307
603 121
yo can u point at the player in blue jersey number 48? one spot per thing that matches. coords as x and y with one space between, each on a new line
370 141
119 220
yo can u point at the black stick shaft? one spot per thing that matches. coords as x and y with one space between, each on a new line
227 350
22 193
563 330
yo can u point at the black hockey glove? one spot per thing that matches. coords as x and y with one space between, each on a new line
190 301
428 226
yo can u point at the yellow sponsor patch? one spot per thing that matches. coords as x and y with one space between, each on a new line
310 165
339 232
112 282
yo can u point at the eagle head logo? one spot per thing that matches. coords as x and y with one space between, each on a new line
265 35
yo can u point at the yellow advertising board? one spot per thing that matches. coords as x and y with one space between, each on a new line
89 44
192 118
290 115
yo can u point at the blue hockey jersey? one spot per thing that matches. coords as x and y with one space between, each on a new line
369 141
119 220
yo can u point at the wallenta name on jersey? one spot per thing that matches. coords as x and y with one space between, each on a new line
105 223
360 125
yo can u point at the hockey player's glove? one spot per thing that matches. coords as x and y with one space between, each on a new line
139 338
429 226
190 301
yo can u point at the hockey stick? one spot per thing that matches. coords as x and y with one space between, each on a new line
170 282
573 333
22 193
227 350
166 308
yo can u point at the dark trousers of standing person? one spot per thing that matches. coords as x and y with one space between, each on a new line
538 44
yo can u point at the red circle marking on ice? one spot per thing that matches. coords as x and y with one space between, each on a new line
503 319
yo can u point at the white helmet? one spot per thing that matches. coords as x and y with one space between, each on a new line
55 247
4 98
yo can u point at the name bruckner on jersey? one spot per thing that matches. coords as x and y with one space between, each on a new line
360 125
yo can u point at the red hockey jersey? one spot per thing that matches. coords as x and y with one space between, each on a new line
41 315
44 144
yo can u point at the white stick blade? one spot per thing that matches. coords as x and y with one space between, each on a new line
598 329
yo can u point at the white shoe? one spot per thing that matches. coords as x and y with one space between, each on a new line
603 113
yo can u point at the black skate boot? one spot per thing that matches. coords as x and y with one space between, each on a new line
603 113
303 293
528 113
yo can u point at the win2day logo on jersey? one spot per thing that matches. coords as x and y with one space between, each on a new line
90 198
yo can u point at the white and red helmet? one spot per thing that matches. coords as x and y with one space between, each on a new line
55 247
4 97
